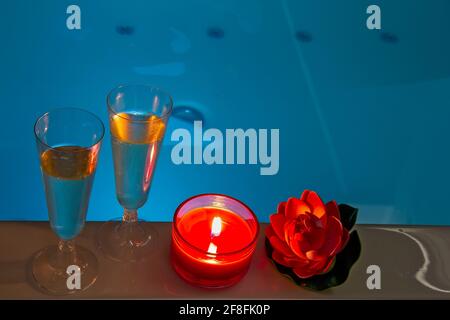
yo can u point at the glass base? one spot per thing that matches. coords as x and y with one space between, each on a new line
127 241
62 272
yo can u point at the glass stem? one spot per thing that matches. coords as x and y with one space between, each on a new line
130 215
65 255
65 246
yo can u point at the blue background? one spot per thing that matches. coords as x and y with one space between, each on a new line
363 115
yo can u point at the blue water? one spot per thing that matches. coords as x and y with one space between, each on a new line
364 116
67 201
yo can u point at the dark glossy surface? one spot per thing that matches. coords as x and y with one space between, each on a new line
414 262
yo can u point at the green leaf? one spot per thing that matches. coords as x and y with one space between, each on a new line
348 216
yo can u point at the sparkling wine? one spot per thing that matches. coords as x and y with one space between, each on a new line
136 141
68 173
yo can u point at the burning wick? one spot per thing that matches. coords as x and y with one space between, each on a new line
212 248
216 229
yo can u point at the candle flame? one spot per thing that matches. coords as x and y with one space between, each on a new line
212 248
216 227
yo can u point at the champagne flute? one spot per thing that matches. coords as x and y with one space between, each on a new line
68 142
138 117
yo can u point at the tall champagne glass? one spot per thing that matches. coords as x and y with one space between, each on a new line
68 142
138 116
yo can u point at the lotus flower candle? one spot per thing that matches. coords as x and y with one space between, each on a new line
311 242
213 240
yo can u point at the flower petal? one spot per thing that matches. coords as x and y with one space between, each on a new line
322 266
290 262
333 209
281 246
269 232
304 195
333 237
281 209
314 201
316 238
313 255
286 261
299 262
344 240
279 258
329 265
297 243
277 222
296 207
304 272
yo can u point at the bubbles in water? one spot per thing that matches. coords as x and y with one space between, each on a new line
215 32
125 30
388 37
303 36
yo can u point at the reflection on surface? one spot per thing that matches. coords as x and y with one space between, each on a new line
424 269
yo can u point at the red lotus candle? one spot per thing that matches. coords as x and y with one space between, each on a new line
213 240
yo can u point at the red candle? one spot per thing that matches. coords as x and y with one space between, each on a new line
213 240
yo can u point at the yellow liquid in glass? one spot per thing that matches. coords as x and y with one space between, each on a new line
69 162
137 129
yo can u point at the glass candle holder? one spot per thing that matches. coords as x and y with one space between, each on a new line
213 240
